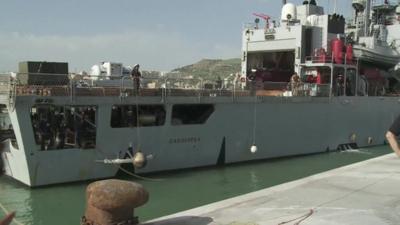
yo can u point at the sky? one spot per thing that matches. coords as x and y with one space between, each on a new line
157 34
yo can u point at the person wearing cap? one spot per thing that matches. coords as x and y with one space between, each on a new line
136 75
392 134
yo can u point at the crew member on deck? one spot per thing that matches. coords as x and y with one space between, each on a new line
61 134
136 75
219 83
340 85
45 134
295 84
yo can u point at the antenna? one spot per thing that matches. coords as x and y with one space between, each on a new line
367 14
265 17
335 6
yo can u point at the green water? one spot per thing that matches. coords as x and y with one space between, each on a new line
64 205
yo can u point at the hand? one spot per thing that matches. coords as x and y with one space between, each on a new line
7 220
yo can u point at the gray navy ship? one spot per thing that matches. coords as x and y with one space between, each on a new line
310 83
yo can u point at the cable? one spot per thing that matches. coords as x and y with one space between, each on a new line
139 177
137 114
301 218
304 217
255 119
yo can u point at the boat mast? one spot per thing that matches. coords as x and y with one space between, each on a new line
335 6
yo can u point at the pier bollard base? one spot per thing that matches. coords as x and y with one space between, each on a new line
111 202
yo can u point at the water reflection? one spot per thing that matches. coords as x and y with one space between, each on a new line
16 197
64 204
43 206
254 181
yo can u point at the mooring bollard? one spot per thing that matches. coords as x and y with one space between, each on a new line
112 202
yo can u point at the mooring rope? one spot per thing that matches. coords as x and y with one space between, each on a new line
301 218
306 216
128 172
140 177
7 212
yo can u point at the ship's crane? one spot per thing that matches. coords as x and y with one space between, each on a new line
264 17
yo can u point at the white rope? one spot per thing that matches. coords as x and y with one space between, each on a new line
137 119
255 119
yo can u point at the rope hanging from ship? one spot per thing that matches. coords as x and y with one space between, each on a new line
137 117
138 159
253 148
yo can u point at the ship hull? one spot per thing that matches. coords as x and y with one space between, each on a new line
278 126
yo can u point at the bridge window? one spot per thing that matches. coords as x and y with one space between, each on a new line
131 116
191 114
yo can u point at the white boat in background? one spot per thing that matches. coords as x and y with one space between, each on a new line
375 31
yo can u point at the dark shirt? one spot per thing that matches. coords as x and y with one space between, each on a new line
44 127
136 73
395 128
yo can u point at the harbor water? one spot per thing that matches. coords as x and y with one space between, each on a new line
175 191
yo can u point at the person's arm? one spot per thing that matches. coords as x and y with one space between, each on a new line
393 142
7 220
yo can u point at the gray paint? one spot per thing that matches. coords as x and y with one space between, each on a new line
283 124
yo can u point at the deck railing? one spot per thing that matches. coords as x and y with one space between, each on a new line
77 85
329 59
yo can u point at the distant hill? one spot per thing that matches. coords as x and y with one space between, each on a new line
208 69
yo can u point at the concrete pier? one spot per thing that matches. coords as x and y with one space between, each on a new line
363 193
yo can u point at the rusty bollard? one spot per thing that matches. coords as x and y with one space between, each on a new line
112 202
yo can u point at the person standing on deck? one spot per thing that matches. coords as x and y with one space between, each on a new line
391 136
340 85
295 84
219 83
136 75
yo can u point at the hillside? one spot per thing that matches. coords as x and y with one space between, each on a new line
208 69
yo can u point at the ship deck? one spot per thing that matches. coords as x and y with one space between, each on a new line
362 193
59 91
